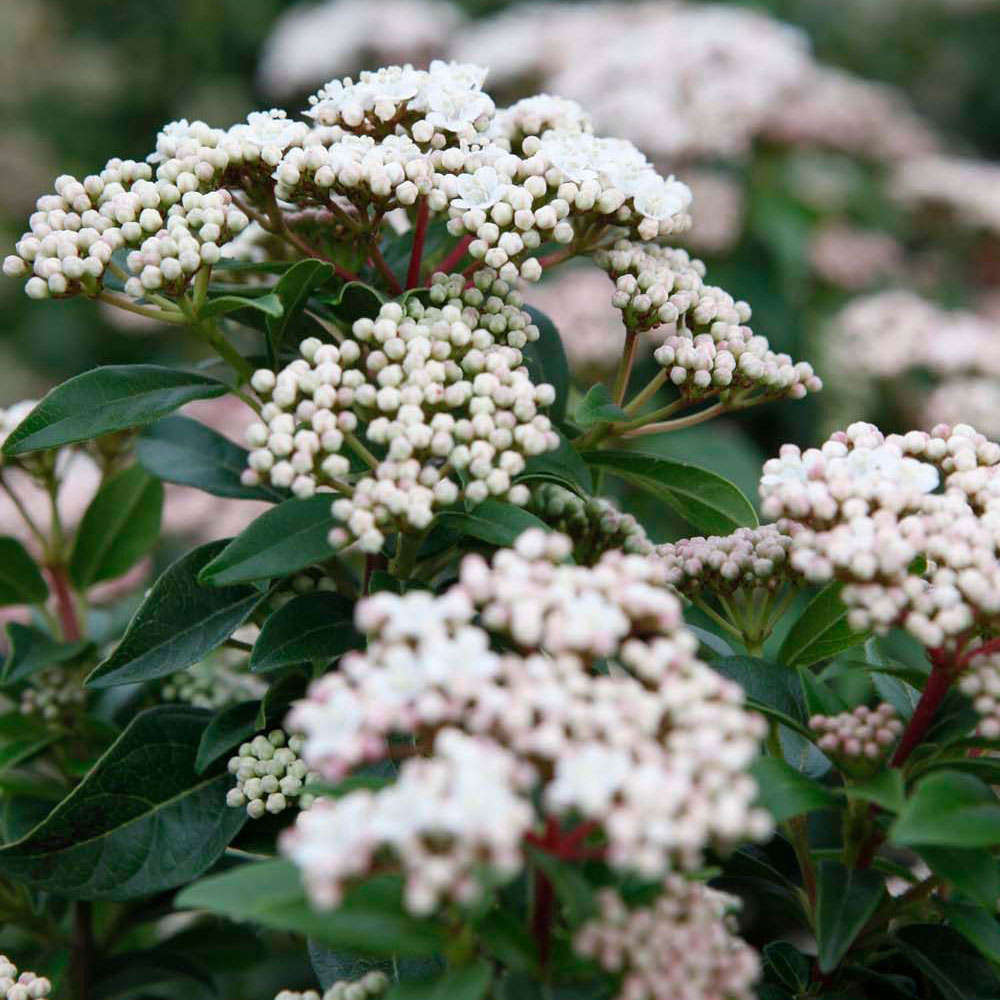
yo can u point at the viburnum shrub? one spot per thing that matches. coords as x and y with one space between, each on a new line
444 715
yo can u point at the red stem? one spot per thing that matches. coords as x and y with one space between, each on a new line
938 684
455 257
545 898
383 268
419 236
65 604
556 258
987 647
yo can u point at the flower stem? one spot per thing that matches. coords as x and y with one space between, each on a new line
679 424
625 367
938 685
455 256
160 315
383 267
69 621
419 238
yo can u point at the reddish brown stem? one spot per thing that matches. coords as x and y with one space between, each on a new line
65 604
556 258
419 237
545 898
984 650
455 257
383 268
938 684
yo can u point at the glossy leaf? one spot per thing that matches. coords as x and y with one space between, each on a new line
293 290
770 689
119 527
32 650
784 792
977 925
973 872
311 627
283 540
108 399
228 728
563 466
707 501
181 450
954 967
597 408
221 305
492 521
179 622
21 582
470 982
821 631
142 821
792 967
949 809
546 361
846 899
820 698
130 975
886 789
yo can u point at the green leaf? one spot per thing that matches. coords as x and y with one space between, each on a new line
886 789
32 650
121 525
821 631
140 822
179 622
181 450
317 626
471 982
108 399
597 408
269 305
770 689
846 899
563 466
976 925
784 792
571 887
942 955
371 920
902 696
820 698
283 540
130 975
546 361
230 726
492 521
707 501
354 301
21 582
789 964
974 872
293 290
949 809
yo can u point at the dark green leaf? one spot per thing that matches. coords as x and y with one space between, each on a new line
354 301
32 650
229 727
563 466
770 689
370 921
707 501
902 696
283 540
269 305
179 622
108 399
21 582
471 982
974 872
133 973
956 969
976 925
293 290
784 792
597 408
789 964
141 821
492 521
119 527
821 631
886 789
846 899
820 698
180 450
949 809
546 361
310 627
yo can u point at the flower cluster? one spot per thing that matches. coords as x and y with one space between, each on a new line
55 694
270 775
863 509
683 947
653 753
26 986
965 189
852 258
217 681
594 524
863 734
439 387
368 987
710 349
981 683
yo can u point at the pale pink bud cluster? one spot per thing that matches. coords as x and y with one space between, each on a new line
683 947
654 750
441 388
368 987
270 775
966 189
26 986
862 733
981 683
852 258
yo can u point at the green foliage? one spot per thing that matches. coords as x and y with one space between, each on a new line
20 580
310 628
821 631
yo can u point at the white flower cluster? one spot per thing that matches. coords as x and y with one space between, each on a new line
973 400
684 947
966 189
749 558
654 751
862 509
864 733
441 388
217 681
981 683
270 775
709 350
368 987
54 694
594 524
26 986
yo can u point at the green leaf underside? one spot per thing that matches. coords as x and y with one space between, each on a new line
949 809
119 527
821 631
597 408
103 400
32 650
141 821
283 540
846 899
707 501
370 921
492 521
179 622
785 792
310 627
180 450
21 582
